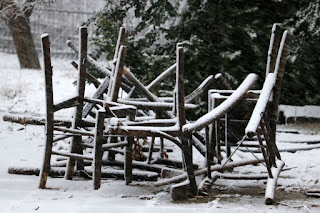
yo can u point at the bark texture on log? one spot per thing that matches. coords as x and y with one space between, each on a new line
32 120
98 152
75 144
49 111
60 172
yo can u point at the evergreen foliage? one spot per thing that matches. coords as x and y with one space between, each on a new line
231 37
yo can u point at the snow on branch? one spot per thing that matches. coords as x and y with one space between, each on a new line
223 107
281 49
261 105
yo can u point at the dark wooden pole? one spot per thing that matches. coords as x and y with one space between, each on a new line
98 152
208 152
218 144
185 138
162 152
49 110
149 158
227 142
281 60
212 139
75 145
115 80
128 156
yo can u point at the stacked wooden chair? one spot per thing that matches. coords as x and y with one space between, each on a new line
260 125
80 125
259 121
101 116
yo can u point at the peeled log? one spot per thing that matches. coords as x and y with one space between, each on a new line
59 172
34 120
120 163
25 120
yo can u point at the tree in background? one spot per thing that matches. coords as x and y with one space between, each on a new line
17 19
148 53
303 77
231 37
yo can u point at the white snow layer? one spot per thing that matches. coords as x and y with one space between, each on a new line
261 104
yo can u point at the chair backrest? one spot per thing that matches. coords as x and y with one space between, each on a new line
279 71
280 41
275 40
115 79
272 86
117 69
180 87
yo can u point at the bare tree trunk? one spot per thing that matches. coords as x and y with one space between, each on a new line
18 23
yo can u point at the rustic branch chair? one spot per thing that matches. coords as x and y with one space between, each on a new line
261 121
258 125
115 109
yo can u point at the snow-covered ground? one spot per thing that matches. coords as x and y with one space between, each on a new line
300 111
22 91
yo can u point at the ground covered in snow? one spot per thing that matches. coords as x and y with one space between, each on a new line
22 92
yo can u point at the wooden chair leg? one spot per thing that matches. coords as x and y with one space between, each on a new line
185 139
208 152
227 142
128 161
49 117
98 152
150 150
75 144
129 153
188 160
162 154
218 146
213 140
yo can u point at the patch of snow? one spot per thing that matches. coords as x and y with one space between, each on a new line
231 55
309 111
